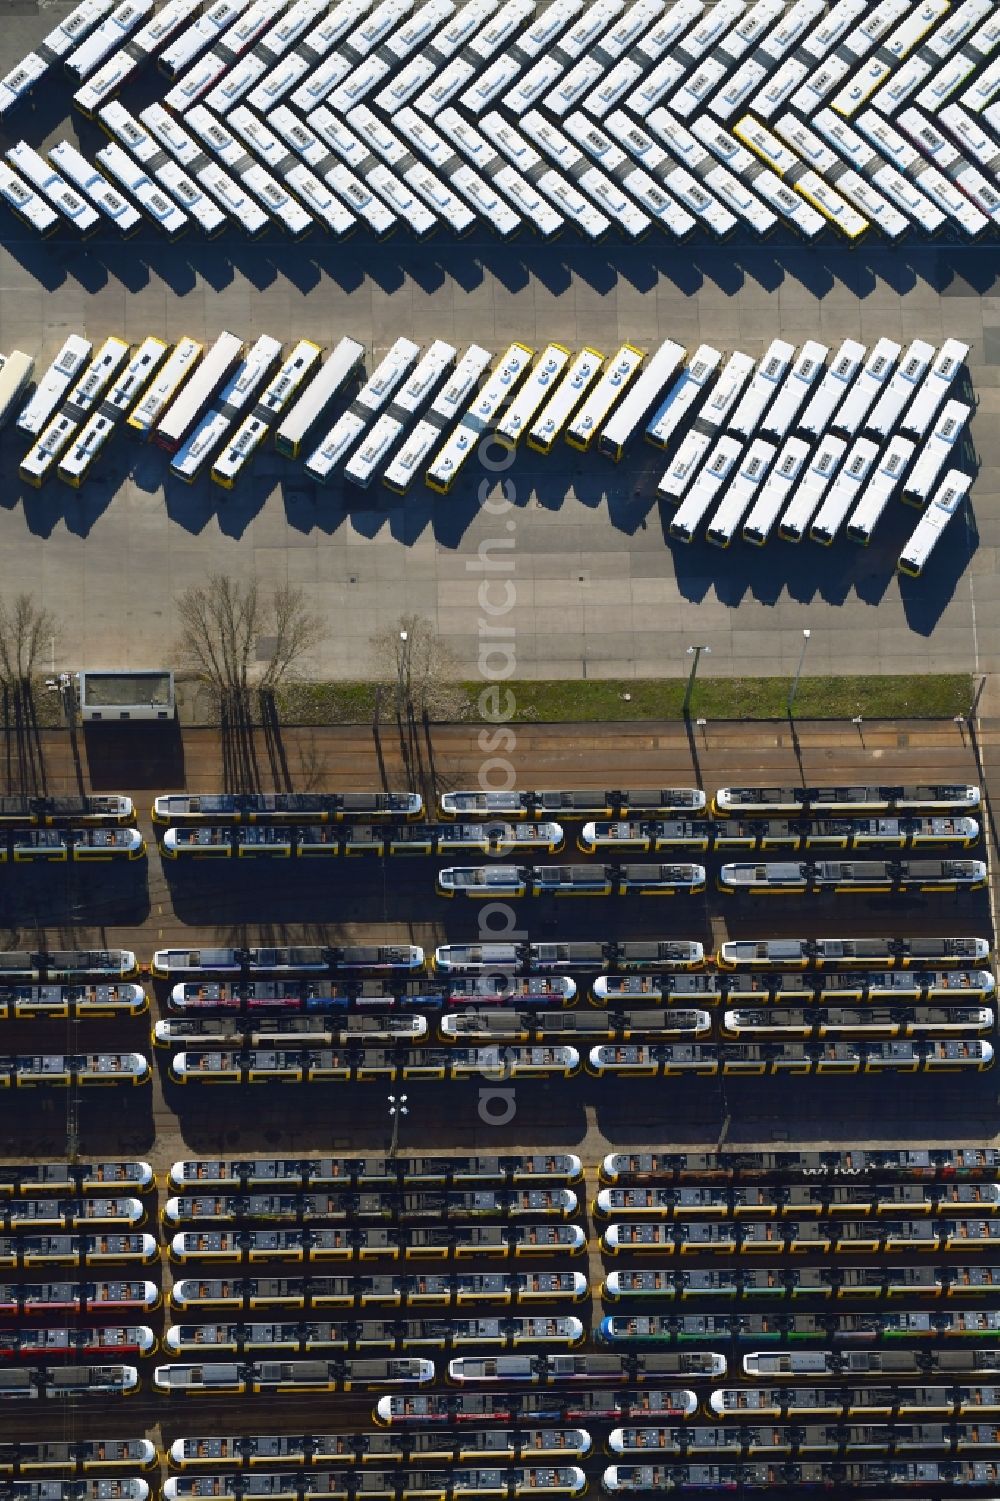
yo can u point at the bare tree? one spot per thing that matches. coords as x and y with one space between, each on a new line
222 623
421 671
24 629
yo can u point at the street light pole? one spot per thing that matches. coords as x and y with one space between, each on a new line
695 652
798 672
397 1108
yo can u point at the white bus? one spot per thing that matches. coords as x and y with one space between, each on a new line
79 456
832 389
884 415
275 401
878 492
924 538
128 59
373 396
937 451
618 373
373 450
725 393
684 465
241 35
767 379
812 487
564 400
90 182
109 36
198 391
16 369
209 433
777 489
711 478
866 387
540 383
295 428
173 138
207 29
657 370
70 32
73 208
134 379
740 496
152 200
843 494
799 381
966 129
935 387
479 419
444 411
185 355
35 467
54 384
688 388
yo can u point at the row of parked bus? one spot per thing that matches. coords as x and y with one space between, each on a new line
503 1025
548 1061
431 76
953 1280
324 841
199 1296
762 877
796 454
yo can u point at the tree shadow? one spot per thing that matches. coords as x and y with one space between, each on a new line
24 761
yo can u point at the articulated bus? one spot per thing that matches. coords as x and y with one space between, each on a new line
340 366
240 448
887 1401
358 1336
87 810
522 1406
778 1286
781 1330
35 1383
283 807
291 1377
836 802
756 987
75 1002
298 961
857 1022
823 953
46 845
850 876
210 431
54 384
807 1440
513 1170
689 387
757 1060
935 1164
349 1207
437 1243
208 375
289 1031
559 1370
797 1478
78 1178
361 1064
479 419
454 1445
68 966
248 998
509 1025
25 1457
547 958
387 1485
